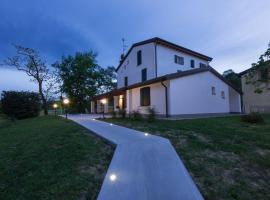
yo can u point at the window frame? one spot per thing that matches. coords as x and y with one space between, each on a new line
202 65
179 60
139 57
213 90
126 81
144 74
192 63
223 94
145 96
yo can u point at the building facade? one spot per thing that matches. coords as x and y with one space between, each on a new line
171 79
256 97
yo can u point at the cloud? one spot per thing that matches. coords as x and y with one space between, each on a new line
233 32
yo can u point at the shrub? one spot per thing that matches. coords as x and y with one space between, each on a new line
252 118
113 113
122 113
136 115
20 105
152 114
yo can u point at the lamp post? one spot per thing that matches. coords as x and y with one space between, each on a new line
103 102
66 102
55 106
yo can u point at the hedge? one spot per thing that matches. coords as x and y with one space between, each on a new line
20 105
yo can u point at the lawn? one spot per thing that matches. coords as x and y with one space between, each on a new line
50 158
227 158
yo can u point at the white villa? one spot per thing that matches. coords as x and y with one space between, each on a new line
172 79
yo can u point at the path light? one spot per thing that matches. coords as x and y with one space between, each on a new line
66 102
146 134
103 102
111 124
94 119
113 177
55 106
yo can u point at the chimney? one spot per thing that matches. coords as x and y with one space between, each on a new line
121 57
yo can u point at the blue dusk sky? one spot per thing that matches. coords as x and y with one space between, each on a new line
233 32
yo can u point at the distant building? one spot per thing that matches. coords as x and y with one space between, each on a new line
171 79
255 98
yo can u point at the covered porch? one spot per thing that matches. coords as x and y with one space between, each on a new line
109 102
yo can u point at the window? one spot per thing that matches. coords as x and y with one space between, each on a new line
126 81
213 91
222 94
144 74
192 65
202 65
145 96
139 57
178 60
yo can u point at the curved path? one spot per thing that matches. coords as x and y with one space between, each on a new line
143 166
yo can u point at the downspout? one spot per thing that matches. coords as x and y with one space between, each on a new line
166 99
156 58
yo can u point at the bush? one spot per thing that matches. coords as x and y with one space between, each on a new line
20 105
122 113
136 115
252 118
152 114
113 113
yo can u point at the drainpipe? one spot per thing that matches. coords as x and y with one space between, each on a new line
156 58
166 98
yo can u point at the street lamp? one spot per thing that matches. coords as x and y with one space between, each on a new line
103 102
55 106
66 102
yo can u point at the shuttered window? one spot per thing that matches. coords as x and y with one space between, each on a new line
144 74
139 57
126 81
192 65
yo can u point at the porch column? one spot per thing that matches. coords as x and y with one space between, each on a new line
129 101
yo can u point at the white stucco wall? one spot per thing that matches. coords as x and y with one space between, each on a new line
235 101
157 99
192 95
130 69
166 64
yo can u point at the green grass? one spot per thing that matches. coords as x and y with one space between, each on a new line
227 158
50 158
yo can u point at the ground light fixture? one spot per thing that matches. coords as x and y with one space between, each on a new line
111 124
113 177
146 134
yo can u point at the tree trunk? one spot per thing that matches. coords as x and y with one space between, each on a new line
43 99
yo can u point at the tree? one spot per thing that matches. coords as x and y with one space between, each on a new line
259 73
79 78
29 61
233 78
108 79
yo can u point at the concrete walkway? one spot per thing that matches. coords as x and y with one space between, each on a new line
143 167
